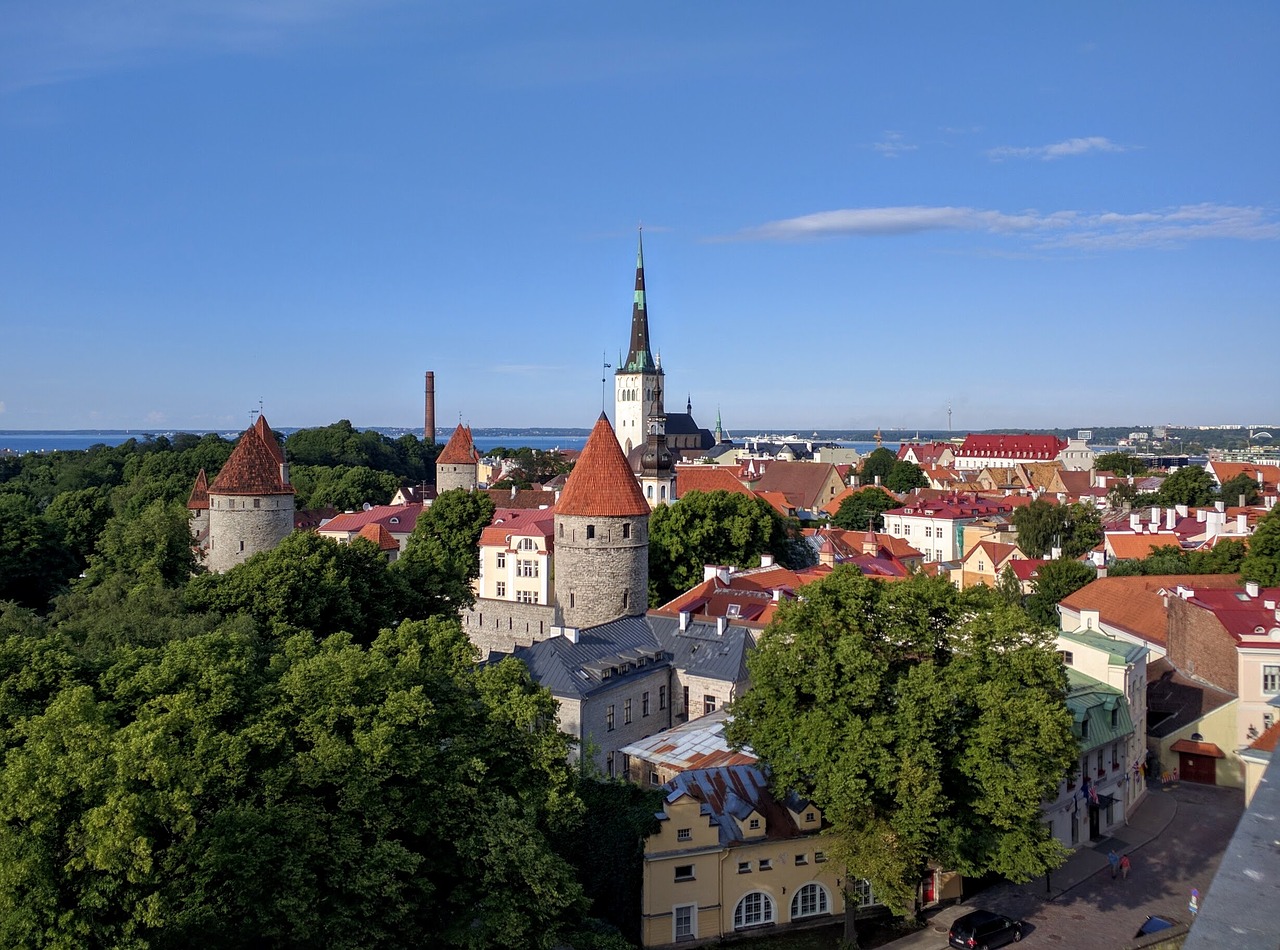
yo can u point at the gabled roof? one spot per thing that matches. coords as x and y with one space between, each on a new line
1126 545
1136 605
707 478
577 670
1021 447
700 650
460 450
255 466
953 505
696 744
1024 569
199 500
730 793
602 483
397 519
801 482
380 536
1266 476
1248 618
509 523
995 552
534 498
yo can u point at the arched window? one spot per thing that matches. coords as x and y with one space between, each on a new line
809 901
753 910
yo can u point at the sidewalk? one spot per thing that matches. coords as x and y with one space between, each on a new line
1151 818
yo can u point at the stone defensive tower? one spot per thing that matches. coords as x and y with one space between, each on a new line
198 511
601 537
458 463
251 501
637 382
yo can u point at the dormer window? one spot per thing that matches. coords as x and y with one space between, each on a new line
754 824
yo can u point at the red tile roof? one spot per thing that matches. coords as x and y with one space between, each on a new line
1240 614
1136 604
460 450
519 523
398 519
1268 741
1127 545
1023 447
601 483
1198 748
707 478
255 465
199 500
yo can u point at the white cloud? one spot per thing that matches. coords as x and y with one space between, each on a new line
1047 153
893 144
1076 229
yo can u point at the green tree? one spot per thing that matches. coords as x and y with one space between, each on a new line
1044 525
1262 563
1055 580
708 528
1241 485
310 583
80 516
864 510
877 465
1119 463
906 476
442 556
153 547
34 563
1189 485
927 723
1009 587
345 487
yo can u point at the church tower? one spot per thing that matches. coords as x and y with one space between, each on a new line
657 475
638 382
601 537
250 503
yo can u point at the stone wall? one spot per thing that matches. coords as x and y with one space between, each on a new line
602 568
503 625
449 477
592 716
242 525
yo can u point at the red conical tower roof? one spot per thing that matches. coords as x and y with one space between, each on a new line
199 500
461 450
255 465
601 482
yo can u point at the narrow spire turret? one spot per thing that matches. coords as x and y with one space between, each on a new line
640 356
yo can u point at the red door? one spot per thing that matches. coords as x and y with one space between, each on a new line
1197 768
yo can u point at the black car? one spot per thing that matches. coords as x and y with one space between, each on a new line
982 929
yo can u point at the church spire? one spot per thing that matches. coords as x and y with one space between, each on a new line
640 356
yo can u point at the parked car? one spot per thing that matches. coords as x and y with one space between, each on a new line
981 929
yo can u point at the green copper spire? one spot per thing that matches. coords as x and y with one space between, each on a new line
640 356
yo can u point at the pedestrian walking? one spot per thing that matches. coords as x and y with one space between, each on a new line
1194 906
1124 867
1114 860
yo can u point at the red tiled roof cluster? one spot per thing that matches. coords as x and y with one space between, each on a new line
602 483
380 536
519 523
926 453
1242 614
953 506
707 478
255 466
460 449
1137 604
199 500
1023 447
398 519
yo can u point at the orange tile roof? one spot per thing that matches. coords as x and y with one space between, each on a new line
1135 604
1126 545
460 450
1268 741
199 500
602 483
779 501
254 467
1198 748
379 536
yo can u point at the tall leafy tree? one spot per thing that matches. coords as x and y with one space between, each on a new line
1262 563
151 547
1189 485
877 465
864 510
1120 463
34 562
927 723
1044 525
906 476
1241 485
442 556
1055 580
710 528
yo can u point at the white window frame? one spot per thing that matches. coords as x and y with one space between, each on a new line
755 909
817 899
1270 672
692 922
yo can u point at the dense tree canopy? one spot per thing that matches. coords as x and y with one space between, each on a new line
1241 485
530 466
864 510
905 476
1262 563
877 465
1053 581
214 791
1189 485
1120 463
1044 525
928 724
341 444
1225 557
442 558
712 528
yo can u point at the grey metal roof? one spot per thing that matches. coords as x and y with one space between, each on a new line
701 650
603 657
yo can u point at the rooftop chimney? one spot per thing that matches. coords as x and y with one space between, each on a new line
766 560
1251 588
722 624
1170 518
684 620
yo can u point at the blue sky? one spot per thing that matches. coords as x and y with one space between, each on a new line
855 214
